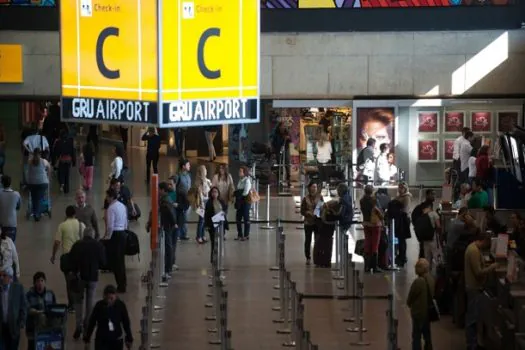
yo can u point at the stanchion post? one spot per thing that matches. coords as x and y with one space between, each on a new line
162 261
285 306
360 329
290 343
258 202
351 282
338 249
343 259
268 225
278 234
282 276
393 265
220 247
420 193
392 324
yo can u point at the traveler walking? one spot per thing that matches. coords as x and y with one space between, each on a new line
330 213
92 137
242 204
110 316
13 305
9 255
209 133
203 185
365 161
86 214
9 204
36 140
168 223
64 151
311 211
182 187
426 228
39 299
152 153
465 149
347 209
87 166
68 233
382 173
456 163
430 197
372 224
86 257
116 226
125 197
214 206
224 182
324 156
117 165
37 176
124 136
419 298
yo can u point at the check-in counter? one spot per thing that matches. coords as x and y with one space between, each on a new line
503 306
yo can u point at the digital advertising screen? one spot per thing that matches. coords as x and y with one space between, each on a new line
35 3
347 4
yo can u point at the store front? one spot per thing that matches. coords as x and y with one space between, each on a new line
418 134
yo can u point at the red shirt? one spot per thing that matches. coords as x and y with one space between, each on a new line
482 167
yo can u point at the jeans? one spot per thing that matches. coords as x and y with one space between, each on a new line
10 232
37 193
200 228
243 214
430 252
210 136
86 291
117 254
421 330
182 218
308 231
64 168
151 160
168 251
490 194
472 318
69 289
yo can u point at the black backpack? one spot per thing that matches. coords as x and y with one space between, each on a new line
424 228
132 243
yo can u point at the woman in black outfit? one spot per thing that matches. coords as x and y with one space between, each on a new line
214 206
64 151
111 318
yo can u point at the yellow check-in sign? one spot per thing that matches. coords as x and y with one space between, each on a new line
197 64
11 64
109 59
210 61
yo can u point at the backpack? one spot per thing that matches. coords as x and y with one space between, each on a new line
416 214
132 243
424 228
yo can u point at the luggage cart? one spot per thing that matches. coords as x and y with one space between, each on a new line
52 335
45 205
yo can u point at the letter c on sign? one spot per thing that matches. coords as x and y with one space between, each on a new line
104 70
205 71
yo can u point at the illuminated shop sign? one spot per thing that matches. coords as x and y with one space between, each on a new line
346 4
41 3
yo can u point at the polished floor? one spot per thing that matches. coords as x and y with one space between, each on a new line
248 279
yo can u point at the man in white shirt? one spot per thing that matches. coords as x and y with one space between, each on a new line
36 141
457 145
9 205
465 149
116 226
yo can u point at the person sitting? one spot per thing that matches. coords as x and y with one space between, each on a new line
39 299
464 196
479 198
492 222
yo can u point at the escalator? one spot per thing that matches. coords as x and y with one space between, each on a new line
511 176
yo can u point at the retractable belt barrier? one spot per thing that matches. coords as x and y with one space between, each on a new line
219 297
291 307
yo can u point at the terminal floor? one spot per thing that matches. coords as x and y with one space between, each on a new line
248 281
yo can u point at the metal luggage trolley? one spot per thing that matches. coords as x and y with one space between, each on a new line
45 205
52 335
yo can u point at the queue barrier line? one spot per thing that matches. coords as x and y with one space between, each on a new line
271 222
346 297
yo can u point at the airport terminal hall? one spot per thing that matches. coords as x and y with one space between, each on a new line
262 174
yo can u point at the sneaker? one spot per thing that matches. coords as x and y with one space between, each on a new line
175 267
308 262
77 334
238 238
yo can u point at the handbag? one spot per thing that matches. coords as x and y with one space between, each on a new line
433 309
253 196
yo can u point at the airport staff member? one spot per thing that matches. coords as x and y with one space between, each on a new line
475 276
116 226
